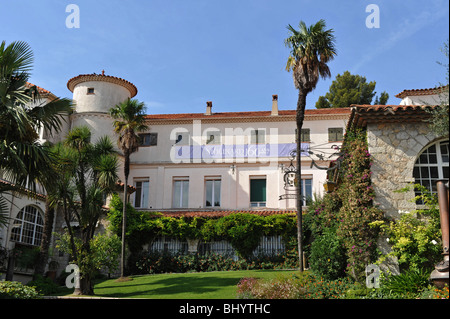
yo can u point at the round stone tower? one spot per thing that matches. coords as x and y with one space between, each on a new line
94 94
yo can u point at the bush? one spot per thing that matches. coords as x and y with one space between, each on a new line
409 282
317 287
327 256
165 262
305 286
243 231
245 288
415 237
45 286
16 290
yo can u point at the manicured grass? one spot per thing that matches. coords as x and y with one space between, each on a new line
205 285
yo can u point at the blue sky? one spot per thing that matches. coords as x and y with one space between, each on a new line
182 53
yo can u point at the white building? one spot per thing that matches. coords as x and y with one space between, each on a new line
209 164
212 160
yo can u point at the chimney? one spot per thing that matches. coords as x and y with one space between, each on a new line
208 108
274 105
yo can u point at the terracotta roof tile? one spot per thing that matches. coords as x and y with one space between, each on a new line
40 90
418 92
101 77
23 190
221 213
363 114
188 116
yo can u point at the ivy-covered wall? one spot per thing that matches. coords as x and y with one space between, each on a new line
341 239
243 230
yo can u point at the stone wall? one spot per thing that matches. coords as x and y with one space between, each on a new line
394 148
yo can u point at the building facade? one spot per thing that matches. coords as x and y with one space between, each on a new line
216 163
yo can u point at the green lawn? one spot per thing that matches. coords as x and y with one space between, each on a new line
205 285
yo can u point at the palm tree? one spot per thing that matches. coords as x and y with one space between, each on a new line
24 161
129 120
86 173
23 157
311 49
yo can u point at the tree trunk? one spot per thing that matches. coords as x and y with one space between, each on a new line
124 214
45 243
301 104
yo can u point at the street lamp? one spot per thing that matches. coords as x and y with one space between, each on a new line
439 276
329 186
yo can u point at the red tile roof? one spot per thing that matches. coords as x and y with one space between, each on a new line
417 92
188 116
363 114
221 213
22 190
101 77
40 90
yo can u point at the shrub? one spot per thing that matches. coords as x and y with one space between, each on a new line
415 237
283 288
163 262
243 231
245 288
319 288
409 282
16 290
357 211
441 293
45 286
327 256
305 286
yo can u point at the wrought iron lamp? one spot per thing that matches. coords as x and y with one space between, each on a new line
439 276
329 186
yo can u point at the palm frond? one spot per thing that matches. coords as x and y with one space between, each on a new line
311 49
51 115
3 211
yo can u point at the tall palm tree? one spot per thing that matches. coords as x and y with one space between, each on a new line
23 157
86 172
129 120
24 161
311 49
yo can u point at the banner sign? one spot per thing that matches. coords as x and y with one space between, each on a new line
237 151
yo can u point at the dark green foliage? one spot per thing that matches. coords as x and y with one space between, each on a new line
348 89
45 286
410 281
16 290
327 258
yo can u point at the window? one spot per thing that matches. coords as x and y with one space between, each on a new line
431 166
335 134
141 194
306 190
305 136
182 138
258 192
148 139
28 226
213 137
90 91
212 189
258 136
180 197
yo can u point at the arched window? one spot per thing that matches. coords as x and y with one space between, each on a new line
432 165
28 226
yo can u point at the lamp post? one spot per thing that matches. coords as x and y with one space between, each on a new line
439 276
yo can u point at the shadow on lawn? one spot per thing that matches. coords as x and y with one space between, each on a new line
171 286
